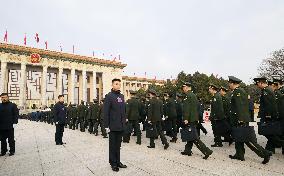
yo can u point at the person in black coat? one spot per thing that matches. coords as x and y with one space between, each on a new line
9 115
115 119
60 115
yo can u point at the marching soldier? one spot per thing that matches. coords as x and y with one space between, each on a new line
82 110
171 113
69 116
179 110
74 117
217 113
279 94
132 117
155 111
100 120
268 111
226 106
93 116
240 117
190 117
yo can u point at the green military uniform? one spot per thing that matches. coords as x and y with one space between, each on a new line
74 117
155 113
82 113
268 111
171 113
133 109
69 117
190 113
239 106
93 116
179 111
100 121
217 114
280 103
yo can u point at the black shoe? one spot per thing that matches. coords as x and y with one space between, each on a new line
207 155
231 142
105 137
236 158
217 145
151 146
59 144
266 160
186 153
120 165
125 141
174 140
96 134
11 154
2 154
139 143
166 146
115 168
63 143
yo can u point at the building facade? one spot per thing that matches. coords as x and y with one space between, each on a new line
37 76
136 83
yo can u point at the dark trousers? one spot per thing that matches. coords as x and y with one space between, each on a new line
158 127
217 138
96 126
136 126
91 125
173 132
251 112
273 142
59 133
115 138
4 134
199 144
256 148
201 127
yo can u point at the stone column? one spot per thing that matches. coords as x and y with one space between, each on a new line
84 85
71 86
4 77
43 85
94 85
105 83
23 84
59 81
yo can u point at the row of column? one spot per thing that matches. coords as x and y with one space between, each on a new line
71 83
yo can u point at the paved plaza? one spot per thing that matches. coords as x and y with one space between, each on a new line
86 154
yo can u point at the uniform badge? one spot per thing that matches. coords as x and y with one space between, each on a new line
119 100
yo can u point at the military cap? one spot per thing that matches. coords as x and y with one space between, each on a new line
260 79
152 91
277 80
224 88
186 84
132 92
233 79
213 86
270 82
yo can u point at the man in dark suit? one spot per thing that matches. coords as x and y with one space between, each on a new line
115 119
60 115
9 114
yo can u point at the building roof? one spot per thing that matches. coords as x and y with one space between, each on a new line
129 78
17 49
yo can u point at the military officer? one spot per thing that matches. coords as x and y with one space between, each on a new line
179 110
190 117
240 117
100 120
155 111
171 114
82 112
268 111
133 109
93 116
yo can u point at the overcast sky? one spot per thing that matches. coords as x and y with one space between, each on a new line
160 37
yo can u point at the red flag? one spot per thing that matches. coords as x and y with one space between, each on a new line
6 37
37 38
45 44
73 49
25 40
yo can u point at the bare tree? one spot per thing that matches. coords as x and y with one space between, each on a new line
274 65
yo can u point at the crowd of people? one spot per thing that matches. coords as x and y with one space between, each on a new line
168 114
